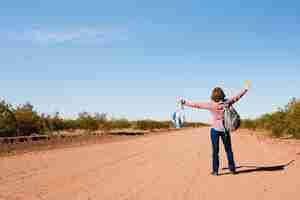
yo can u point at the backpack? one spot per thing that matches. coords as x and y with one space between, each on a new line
232 119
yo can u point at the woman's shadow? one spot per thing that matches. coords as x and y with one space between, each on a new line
251 168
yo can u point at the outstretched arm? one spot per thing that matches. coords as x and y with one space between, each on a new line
206 106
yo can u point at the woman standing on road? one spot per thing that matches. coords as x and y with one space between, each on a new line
216 107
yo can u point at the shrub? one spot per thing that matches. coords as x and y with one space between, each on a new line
278 123
55 123
285 121
249 124
28 120
151 124
87 121
121 124
8 122
116 124
71 124
293 118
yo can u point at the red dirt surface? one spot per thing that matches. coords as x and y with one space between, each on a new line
172 166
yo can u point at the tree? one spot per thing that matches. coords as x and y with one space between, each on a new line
293 118
28 120
8 122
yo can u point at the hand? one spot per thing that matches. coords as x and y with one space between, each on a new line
247 84
183 102
180 101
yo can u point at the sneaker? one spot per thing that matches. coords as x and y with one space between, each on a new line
233 171
214 173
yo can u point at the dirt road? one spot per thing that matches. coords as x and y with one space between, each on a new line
174 166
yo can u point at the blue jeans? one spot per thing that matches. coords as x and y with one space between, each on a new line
215 135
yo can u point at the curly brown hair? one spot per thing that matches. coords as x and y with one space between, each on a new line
217 94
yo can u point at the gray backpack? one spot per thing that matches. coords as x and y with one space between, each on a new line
232 119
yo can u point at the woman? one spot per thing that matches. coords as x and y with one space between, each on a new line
216 107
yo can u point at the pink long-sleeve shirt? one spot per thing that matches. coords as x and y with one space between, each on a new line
217 109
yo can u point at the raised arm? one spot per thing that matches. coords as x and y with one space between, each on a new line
206 106
234 99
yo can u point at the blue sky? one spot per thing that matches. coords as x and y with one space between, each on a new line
133 58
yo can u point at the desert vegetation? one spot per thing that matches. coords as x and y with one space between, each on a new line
24 120
285 121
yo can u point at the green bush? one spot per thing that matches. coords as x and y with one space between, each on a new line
249 124
278 123
71 124
28 120
115 124
285 121
293 118
57 123
151 124
87 121
121 124
51 124
8 122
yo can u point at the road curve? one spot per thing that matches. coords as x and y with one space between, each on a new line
171 166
